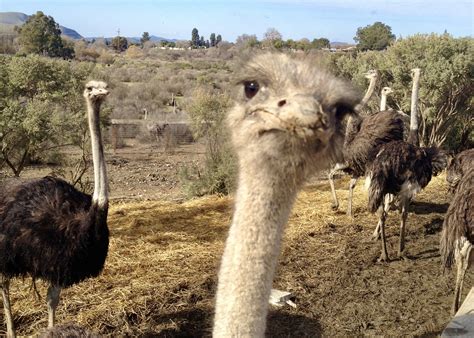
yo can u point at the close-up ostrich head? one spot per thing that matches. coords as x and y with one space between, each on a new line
96 91
283 104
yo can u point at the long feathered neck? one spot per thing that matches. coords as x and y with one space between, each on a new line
353 123
263 202
100 195
383 102
413 135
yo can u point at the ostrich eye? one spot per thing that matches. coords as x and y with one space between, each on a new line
89 88
251 88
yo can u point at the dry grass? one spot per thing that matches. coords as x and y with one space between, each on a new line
160 275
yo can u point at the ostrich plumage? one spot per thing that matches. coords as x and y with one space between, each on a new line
364 137
458 166
457 237
51 231
399 171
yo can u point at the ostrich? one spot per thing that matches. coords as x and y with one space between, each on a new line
50 230
399 171
363 139
372 76
383 97
285 125
457 237
458 166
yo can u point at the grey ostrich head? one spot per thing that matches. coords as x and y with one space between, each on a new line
95 91
286 106
372 73
387 90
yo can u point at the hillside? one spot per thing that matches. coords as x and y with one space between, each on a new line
8 21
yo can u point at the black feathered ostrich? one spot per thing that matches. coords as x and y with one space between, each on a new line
399 171
51 231
457 237
364 136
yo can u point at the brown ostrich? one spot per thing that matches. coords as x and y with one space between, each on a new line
457 237
458 166
398 172
286 124
51 231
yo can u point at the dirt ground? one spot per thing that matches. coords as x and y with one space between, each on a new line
160 275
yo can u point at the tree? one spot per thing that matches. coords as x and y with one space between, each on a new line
303 44
320 43
40 34
218 39
119 43
212 39
272 37
202 42
40 108
374 37
445 96
195 38
145 38
246 41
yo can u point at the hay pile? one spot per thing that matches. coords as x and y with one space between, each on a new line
160 275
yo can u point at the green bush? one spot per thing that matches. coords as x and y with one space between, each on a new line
207 112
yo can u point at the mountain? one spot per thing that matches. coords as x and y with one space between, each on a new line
8 21
134 39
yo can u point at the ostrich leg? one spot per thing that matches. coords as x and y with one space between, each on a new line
404 213
7 307
52 300
462 262
337 167
383 211
376 233
352 184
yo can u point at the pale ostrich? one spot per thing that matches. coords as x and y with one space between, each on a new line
457 237
413 134
398 172
285 125
364 136
383 97
51 231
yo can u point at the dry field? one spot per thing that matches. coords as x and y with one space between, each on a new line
160 275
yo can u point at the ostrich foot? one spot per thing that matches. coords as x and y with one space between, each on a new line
375 235
383 258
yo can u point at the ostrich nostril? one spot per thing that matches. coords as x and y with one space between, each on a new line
281 103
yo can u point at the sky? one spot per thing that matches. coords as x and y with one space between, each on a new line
336 20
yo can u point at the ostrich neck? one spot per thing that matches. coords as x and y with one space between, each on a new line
263 203
100 195
383 102
368 94
413 135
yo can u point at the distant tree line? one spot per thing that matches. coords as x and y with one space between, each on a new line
200 42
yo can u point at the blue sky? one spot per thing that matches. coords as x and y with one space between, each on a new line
337 20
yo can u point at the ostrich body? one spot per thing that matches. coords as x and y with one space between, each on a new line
458 166
399 171
457 237
51 231
364 137
286 124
